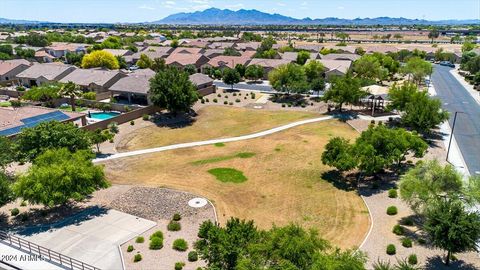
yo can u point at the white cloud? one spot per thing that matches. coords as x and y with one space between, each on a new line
235 6
146 7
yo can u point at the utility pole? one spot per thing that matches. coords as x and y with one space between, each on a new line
451 135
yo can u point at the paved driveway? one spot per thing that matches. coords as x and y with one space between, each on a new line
467 128
94 239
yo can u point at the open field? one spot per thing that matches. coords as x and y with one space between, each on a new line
284 180
212 122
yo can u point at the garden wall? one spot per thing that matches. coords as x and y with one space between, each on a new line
123 118
207 90
11 93
97 104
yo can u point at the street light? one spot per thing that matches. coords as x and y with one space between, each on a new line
451 135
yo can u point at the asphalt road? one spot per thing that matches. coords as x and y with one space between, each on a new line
467 128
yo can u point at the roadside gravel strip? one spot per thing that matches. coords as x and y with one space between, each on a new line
208 142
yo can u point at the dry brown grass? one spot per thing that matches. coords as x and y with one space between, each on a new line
284 181
212 122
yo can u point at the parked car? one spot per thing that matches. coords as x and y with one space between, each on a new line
447 64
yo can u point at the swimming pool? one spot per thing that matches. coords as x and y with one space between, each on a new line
103 115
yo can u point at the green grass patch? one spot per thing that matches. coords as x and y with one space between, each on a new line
218 159
228 175
219 144
5 104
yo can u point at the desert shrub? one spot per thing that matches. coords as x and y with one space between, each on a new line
234 94
177 217
158 234
156 243
398 230
253 95
412 259
391 250
137 257
174 226
231 103
226 96
407 242
179 265
392 210
132 123
192 256
130 248
392 193
180 245
14 211
237 100
140 240
225 102
215 100
202 101
146 117
23 203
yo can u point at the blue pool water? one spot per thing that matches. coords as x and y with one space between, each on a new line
103 115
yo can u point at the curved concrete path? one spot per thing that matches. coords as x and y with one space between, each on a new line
208 142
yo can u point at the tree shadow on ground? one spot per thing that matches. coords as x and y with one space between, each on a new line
41 220
289 99
436 263
434 139
3 220
173 121
340 181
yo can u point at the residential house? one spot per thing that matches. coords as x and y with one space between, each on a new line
336 67
152 52
96 80
224 61
134 88
340 56
183 59
292 56
119 52
9 69
60 49
37 74
203 82
268 64
211 53
43 57
247 46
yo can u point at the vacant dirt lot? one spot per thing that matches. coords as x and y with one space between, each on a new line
285 178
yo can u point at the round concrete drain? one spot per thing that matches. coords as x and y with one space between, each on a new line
257 107
197 202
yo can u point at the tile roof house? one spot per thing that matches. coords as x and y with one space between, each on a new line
119 52
292 56
247 46
97 80
340 56
9 69
153 52
203 82
42 73
227 61
60 49
268 64
211 53
336 67
43 57
188 50
182 59
134 87
221 45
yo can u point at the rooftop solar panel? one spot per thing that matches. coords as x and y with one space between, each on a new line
35 120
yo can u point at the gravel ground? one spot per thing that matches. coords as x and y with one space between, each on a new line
160 204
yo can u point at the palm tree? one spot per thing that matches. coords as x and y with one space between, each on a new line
71 90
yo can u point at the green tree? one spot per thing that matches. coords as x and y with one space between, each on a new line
122 63
74 58
265 50
344 90
230 76
401 95
241 69
338 154
254 72
101 136
6 194
46 92
417 69
158 64
144 61
7 152
172 89
58 176
25 53
174 43
6 49
315 72
369 67
229 51
468 46
289 78
433 34
32 142
424 113
451 227
102 59
72 91
343 36
190 69
302 57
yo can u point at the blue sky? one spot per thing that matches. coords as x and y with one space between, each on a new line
150 10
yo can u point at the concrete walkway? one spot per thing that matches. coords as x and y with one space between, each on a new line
208 142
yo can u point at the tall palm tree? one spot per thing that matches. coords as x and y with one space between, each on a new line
71 90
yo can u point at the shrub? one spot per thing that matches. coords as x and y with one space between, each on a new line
24 217
192 256
20 88
158 234
422 241
234 94
179 265
15 211
253 95
177 217
398 230
137 257
283 105
406 242
156 243
140 240
226 96
174 226
391 250
219 95
231 103
392 210
23 203
132 123
146 117
16 103
408 222
180 245
412 259
215 100
202 101
207 100
237 100
225 102
130 248
392 193
126 108
89 95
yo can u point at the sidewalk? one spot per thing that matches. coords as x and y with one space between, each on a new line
474 93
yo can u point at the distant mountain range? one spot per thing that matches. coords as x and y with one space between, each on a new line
215 16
